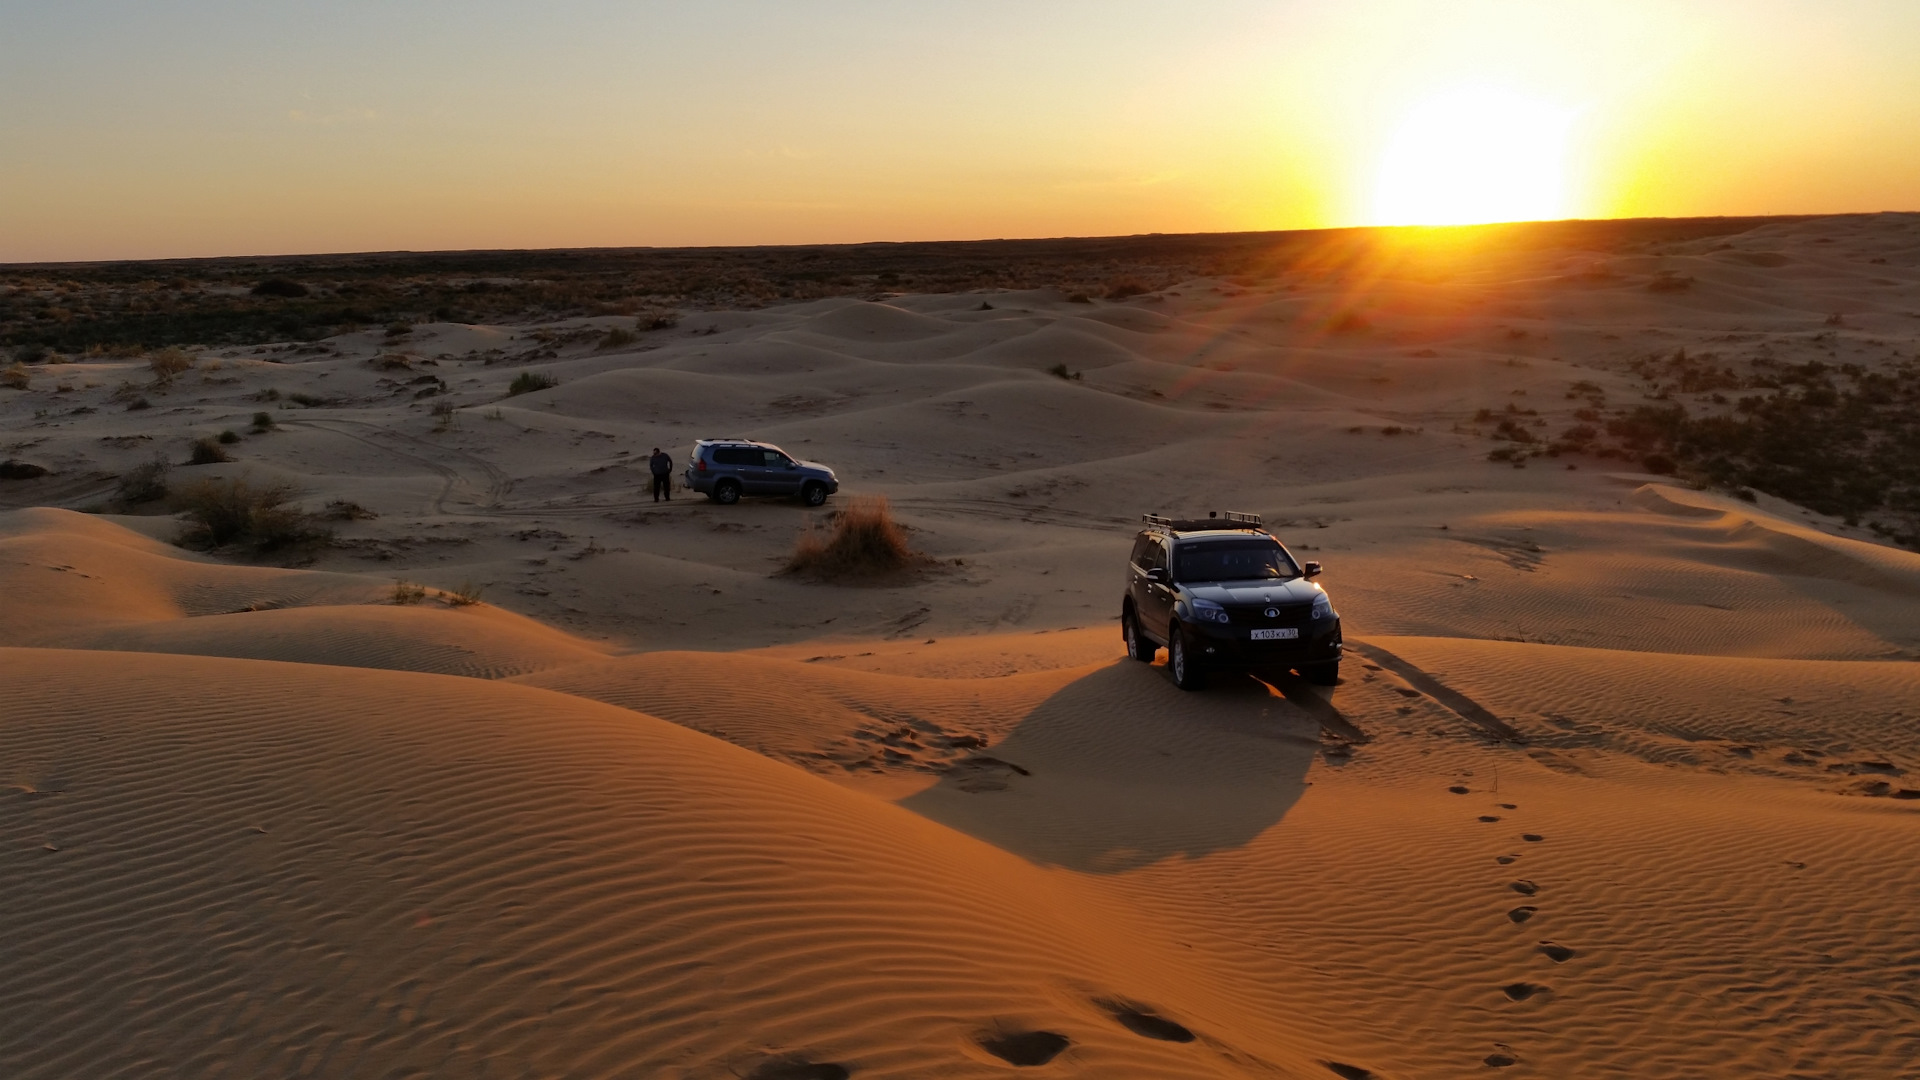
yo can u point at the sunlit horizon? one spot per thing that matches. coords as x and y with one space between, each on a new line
211 129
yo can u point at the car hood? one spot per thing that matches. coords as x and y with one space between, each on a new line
816 466
1294 591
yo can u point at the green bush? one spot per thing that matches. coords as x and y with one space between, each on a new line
233 511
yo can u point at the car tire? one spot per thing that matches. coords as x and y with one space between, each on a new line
813 493
1138 645
1181 662
1321 674
726 492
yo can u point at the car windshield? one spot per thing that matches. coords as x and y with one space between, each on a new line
1232 560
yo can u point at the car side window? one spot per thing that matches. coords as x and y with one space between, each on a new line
1141 544
733 455
777 460
1156 554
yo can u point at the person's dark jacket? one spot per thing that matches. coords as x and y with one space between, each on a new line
660 464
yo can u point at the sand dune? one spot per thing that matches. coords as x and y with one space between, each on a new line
1621 779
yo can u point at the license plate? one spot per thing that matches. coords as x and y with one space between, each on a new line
1284 633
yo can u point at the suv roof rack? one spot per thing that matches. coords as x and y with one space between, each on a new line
1214 520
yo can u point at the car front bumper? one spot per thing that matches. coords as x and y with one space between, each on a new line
1231 646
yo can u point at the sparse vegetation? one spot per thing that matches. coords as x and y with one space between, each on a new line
235 512
228 437
143 483
342 510
1061 371
208 452
528 382
617 338
658 320
168 364
466 595
263 421
406 593
16 376
863 541
281 287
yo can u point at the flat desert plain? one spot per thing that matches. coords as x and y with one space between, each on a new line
1622 777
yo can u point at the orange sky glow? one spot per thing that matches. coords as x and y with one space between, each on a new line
138 131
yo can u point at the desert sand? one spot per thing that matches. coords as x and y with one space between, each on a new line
1622 777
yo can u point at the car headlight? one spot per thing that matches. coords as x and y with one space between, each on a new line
1208 611
1322 606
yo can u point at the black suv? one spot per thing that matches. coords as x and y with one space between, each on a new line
1222 592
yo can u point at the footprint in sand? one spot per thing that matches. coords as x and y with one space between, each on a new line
800 1069
1499 1059
1521 991
1559 954
1509 806
1522 913
1524 887
1025 1048
1348 1072
1459 789
1532 837
1146 1023
1505 860
1489 817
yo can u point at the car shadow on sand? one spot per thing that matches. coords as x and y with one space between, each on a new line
1120 770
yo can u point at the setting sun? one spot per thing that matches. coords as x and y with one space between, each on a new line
1472 156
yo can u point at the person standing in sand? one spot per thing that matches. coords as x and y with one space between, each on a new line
661 465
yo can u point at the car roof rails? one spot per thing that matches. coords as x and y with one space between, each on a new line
1228 520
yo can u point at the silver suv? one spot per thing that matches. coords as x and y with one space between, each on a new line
725 469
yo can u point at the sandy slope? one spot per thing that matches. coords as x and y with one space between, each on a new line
1622 779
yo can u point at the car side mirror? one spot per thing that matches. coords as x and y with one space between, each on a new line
1157 575
1311 571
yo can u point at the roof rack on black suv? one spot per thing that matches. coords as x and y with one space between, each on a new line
1223 592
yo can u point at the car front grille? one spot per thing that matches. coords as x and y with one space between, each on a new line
1253 617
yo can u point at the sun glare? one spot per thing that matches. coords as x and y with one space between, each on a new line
1474 156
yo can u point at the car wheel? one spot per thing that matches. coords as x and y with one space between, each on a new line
1180 661
813 494
1321 674
1138 646
726 492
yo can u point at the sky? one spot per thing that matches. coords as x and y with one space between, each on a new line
136 129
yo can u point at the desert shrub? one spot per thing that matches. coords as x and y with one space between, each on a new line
234 511
229 437
279 286
406 593
139 403
208 452
1121 288
21 470
399 329
1061 371
862 541
1079 298
31 353
657 320
528 382
342 510
16 377
143 483
263 421
311 401
617 337
466 595
169 363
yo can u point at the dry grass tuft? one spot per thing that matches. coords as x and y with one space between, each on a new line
862 541
16 376
232 511
208 452
530 382
143 483
466 595
169 363
406 593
